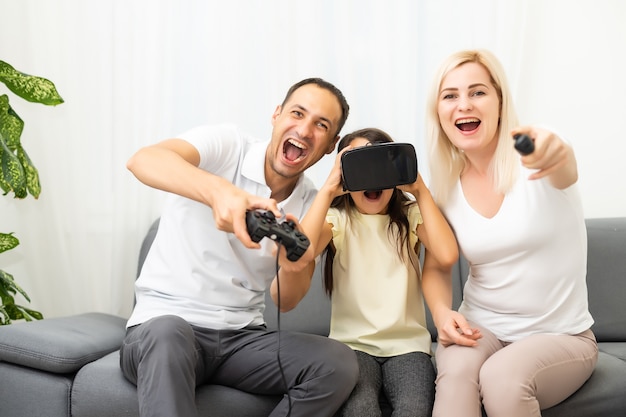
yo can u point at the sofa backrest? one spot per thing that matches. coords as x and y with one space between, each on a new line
311 315
606 277
606 282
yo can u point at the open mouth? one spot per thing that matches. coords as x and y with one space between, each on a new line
373 195
294 151
467 125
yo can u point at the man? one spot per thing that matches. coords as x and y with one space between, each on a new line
200 295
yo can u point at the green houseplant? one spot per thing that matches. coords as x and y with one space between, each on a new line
18 175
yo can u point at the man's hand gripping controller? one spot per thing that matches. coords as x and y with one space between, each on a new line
263 224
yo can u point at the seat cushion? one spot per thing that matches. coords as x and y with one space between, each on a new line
617 349
601 395
100 390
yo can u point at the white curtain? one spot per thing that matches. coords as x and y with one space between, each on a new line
133 72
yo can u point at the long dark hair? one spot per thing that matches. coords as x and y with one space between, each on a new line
397 209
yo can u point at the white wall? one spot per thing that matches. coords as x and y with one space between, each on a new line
136 71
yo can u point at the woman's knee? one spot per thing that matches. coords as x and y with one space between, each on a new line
458 363
502 380
507 388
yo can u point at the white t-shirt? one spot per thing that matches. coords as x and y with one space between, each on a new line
377 304
528 264
199 273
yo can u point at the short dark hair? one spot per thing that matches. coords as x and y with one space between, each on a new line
345 108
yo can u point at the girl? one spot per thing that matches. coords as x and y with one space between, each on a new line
373 277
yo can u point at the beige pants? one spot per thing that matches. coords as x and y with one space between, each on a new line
512 379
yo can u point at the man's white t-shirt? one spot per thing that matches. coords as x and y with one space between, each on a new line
198 272
528 263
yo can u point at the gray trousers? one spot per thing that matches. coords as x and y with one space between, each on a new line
407 381
166 358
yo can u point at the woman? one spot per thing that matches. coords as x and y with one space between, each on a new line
373 276
521 340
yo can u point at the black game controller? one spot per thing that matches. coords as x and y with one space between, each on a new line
263 224
524 144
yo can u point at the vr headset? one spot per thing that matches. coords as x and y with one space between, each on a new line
378 166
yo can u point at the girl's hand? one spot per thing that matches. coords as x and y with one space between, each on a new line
415 187
334 182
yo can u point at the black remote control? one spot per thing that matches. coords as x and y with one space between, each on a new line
524 144
263 224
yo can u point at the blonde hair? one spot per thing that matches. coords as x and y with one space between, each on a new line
446 161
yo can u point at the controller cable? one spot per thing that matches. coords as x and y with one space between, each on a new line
280 365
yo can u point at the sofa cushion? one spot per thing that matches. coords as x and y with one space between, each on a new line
617 349
97 383
61 345
601 395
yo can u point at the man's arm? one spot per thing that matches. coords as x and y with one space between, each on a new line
294 279
172 166
296 283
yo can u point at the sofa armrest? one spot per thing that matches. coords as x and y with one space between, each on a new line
61 345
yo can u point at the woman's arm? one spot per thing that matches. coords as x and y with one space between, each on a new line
440 255
452 328
552 158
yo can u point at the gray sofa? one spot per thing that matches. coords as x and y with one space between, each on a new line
69 366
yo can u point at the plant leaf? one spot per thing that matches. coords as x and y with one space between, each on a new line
5 319
11 125
5 123
14 312
3 184
6 295
8 309
29 87
12 171
32 175
28 314
8 286
8 242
